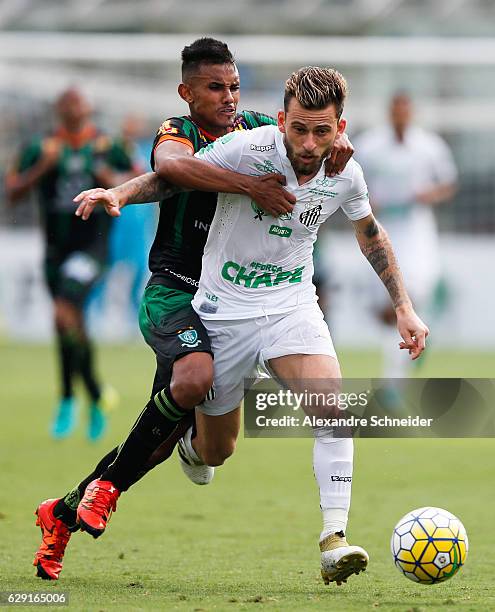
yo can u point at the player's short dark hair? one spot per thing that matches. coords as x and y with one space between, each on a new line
316 88
204 51
401 95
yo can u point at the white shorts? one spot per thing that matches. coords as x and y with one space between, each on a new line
241 347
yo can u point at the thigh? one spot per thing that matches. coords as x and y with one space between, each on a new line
77 275
300 368
51 270
173 336
303 359
315 378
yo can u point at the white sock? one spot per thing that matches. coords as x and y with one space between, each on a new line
332 464
190 448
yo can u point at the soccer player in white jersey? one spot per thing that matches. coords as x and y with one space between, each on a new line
255 295
409 171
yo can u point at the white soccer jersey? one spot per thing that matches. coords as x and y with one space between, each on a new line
395 173
255 264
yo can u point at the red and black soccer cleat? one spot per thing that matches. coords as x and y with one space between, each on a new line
96 506
54 538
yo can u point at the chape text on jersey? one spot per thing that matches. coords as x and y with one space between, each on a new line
235 273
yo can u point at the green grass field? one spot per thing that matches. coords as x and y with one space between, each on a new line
248 541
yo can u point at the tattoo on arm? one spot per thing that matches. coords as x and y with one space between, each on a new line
372 229
377 249
148 187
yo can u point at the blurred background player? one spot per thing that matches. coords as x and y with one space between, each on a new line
76 155
409 171
130 240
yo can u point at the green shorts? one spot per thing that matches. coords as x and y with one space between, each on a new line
171 328
73 276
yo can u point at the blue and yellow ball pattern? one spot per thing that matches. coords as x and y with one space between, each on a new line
429 545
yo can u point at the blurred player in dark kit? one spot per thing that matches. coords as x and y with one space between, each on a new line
75 155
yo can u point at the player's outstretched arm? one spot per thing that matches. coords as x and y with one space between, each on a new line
377 248
18 183
142 189
175 163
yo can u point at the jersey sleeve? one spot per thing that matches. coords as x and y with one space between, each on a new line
442 162
28 156
255 119
177 129
122 157
357 205
225 152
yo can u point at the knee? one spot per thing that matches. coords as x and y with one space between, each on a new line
191 381
67 317
217 454
189 392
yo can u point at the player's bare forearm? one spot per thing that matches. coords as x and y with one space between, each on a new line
267 190
194 173
145 188
18 184
139 190
377 248
437 194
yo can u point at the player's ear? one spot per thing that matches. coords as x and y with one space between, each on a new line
281 121
341 125
185 93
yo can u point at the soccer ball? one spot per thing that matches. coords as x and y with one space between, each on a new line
429 545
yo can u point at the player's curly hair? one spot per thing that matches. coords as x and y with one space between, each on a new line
204 51
315 88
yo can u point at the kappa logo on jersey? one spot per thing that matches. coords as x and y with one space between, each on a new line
262 148
311 215
341 478
167 128
189 338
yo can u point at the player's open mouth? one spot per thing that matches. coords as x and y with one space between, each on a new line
227 111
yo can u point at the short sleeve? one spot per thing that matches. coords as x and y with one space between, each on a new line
177 129
225 152
28 156
357 205
122 157
255 119
442 162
